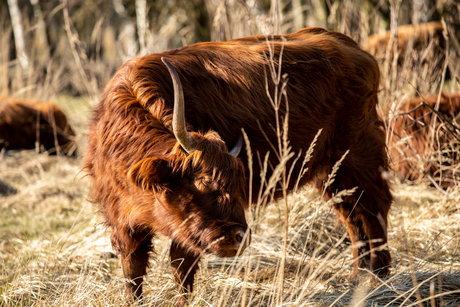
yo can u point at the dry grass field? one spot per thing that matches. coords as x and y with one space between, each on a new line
55 250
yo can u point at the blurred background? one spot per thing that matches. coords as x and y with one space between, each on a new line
74 46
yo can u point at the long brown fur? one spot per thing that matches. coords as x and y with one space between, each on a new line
145 183
20 118
422 145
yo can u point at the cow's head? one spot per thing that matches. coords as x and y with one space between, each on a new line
199 188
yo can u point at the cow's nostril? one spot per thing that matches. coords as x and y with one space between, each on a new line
239 236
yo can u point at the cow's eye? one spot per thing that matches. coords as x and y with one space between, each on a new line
206 181
206 184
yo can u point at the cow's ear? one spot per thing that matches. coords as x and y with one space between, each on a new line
150 173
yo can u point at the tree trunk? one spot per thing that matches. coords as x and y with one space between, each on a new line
19 40
41 41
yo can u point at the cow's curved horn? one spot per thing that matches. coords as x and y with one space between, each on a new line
237 148
180 131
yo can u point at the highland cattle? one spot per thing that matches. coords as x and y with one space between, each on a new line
424 138
164 140
29 124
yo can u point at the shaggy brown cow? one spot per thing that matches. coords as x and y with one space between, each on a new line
420 48
28 124
410 37
150 175
421 145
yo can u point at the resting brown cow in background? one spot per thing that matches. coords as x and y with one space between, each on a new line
421 145
157 172
20 118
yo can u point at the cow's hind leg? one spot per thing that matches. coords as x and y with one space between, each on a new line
134 249
359 241
375 228
368 233
365 213
184 266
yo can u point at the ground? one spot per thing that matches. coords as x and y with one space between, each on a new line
55 250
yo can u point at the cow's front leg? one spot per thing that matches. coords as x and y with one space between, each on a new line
134 250
184 266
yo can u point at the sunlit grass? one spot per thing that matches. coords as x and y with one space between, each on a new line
55 250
